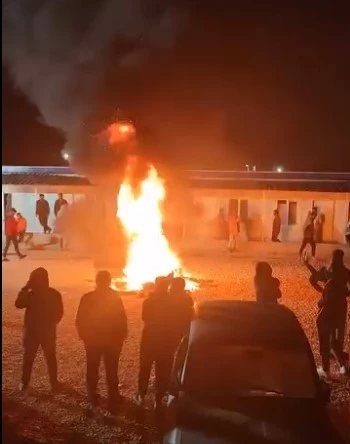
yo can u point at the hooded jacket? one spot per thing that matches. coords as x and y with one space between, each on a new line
43 305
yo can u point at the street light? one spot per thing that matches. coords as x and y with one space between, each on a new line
279 169
65 156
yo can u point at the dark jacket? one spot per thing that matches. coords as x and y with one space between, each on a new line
42 208
101 319
333 303
166 318
58 205
43 311
267 290
309 231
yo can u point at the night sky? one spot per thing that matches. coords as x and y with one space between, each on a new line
258 86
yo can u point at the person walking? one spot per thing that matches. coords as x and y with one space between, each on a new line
42 212
267 287
331 319
58 204
276 226
23 236
166 318
309 235
102 326
11 233
59 228
233 230
43 311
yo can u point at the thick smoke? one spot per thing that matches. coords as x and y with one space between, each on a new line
65 55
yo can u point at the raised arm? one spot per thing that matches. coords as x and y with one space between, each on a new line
22 300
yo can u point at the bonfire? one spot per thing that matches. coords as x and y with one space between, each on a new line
149 252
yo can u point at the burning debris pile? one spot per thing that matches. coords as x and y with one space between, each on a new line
140 212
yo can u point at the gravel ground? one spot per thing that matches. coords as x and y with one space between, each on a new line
40 417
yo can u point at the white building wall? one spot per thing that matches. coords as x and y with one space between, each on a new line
25 203
341 208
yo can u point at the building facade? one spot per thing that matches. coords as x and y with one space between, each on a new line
253 195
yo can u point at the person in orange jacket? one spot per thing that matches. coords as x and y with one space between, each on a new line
233 230
11 233
22 229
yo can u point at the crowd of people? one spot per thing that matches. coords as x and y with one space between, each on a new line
312 229
167 312
16 224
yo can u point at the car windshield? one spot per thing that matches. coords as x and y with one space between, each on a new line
231 370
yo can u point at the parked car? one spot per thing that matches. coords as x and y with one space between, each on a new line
246 374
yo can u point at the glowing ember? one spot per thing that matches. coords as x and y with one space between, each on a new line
149 254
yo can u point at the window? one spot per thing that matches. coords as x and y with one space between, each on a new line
283 211
243 210
292 213
287 211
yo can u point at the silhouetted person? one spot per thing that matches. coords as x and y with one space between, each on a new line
166 320
58 204
233 231
221 225
276 226
181 305
102 325
309 235
347 233
331 320
42 211
43 311
267 287
11 233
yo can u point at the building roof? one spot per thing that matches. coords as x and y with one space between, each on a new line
41 176
290 180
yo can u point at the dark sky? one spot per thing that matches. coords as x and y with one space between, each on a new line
262 86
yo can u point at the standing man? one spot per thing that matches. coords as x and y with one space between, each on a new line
276 226
166 316
309 235
43 212
102 325
58 204
233 230
11 233
43 311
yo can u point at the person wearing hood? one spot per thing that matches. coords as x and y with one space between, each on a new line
309 235
331 319
267 287
152 341
43 311
102 326
166 316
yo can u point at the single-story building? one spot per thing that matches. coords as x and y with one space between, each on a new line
254 195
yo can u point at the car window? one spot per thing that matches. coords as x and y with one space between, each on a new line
233 370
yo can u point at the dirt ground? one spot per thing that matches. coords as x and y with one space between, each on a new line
39 416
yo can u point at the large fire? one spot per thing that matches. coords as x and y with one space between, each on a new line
149 253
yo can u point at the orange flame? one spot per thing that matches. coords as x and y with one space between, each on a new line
149 254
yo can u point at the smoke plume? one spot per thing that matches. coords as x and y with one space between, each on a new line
79 60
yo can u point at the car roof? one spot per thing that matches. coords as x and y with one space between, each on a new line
273 323
228 309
